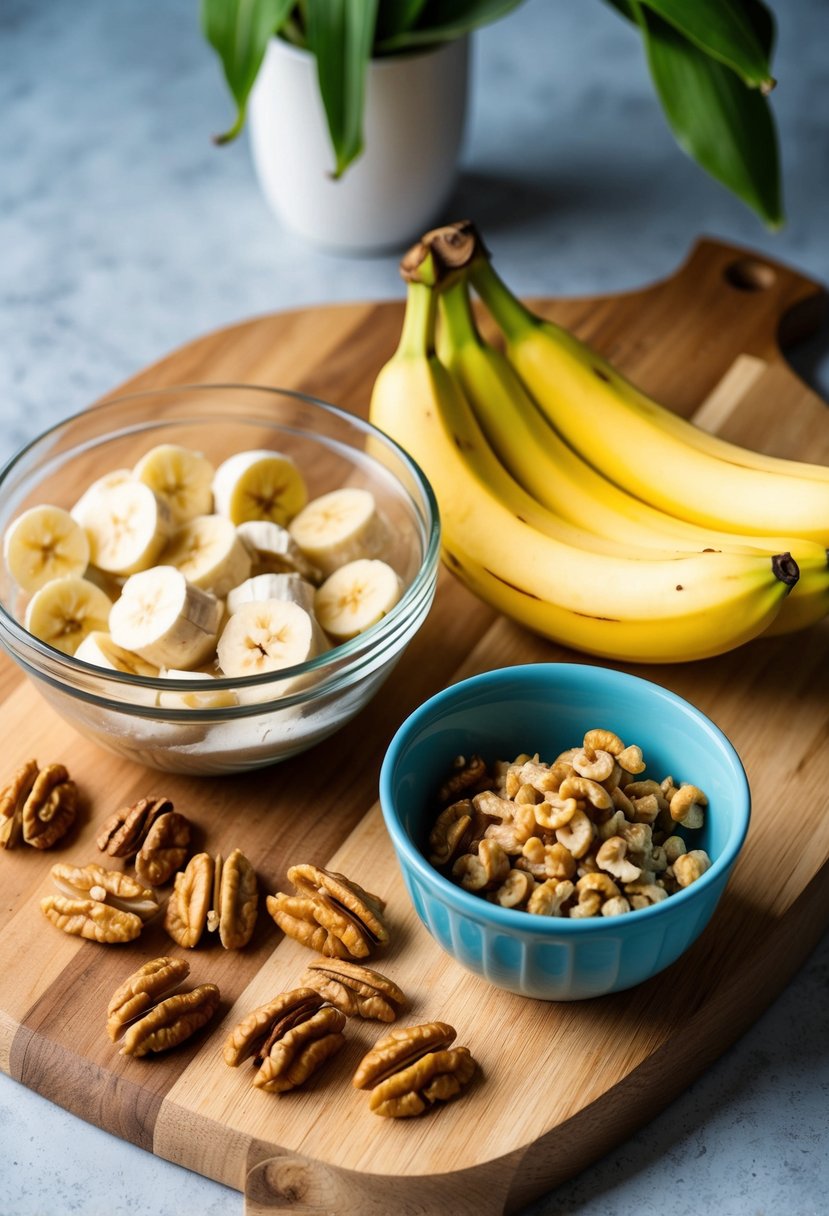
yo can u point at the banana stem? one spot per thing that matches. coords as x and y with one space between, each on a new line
417 337
457 315
513 317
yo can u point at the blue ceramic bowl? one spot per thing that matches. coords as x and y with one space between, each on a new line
547 708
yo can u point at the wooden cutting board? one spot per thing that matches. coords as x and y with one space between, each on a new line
561 1083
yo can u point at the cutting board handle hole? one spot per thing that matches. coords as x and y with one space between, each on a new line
748 274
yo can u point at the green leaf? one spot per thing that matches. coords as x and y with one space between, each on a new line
239 31
395 18
723 30
759 16
340 36
725 126
446 20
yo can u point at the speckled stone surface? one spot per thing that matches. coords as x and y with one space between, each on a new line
124 232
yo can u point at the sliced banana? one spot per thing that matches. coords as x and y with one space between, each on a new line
165 619
42 544
356 596
211 698
259 484
339 527
65 610
274 550
86 503
268 636
182 477
209 554
262 587
127 525
99 649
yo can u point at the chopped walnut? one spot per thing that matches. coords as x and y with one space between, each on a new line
688 867
467 777
589 817
12 800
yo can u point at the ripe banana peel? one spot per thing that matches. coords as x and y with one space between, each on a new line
539 568
622 432
558 477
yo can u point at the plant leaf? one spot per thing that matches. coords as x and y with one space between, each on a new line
239 31
756 12
725 126
723 30
396 18
446 20
341 36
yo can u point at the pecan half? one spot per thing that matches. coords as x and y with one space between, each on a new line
288 1039
439 1076
123 833
400 1048
12 800
113 887
235 901
357 991
213 894
172 1021
91 919
164 848
349 917
140 991
51 807
186 914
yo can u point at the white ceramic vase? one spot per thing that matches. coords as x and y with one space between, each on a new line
415 107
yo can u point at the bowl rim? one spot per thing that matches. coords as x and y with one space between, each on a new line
493 916
376 638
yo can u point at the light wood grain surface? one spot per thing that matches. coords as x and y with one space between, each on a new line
560 1083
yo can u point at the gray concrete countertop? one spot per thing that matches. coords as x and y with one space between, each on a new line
124 233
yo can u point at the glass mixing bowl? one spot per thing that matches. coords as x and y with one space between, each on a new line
332 449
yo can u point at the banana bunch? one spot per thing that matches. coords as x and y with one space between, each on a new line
177 570
576 505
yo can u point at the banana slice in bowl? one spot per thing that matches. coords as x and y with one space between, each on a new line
259 484
65 610
44 543
289 586
181 477
127 526
356 596
209 553
274 551
339 527
165 619
269 636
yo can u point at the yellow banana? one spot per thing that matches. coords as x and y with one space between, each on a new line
622 432
555 475
653 609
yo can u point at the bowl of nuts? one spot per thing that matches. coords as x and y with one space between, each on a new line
212 578
564 831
